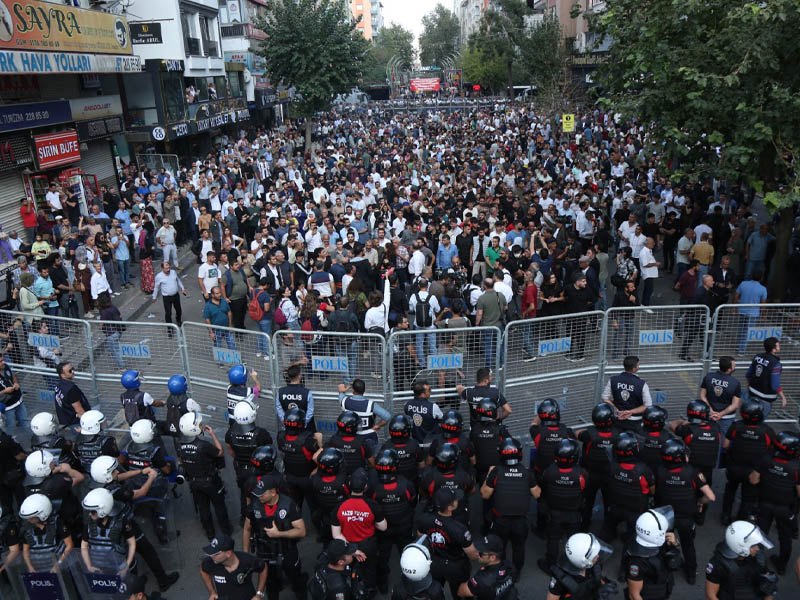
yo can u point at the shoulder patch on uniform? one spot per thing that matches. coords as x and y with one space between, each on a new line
709 568
633 570
468 536
553 583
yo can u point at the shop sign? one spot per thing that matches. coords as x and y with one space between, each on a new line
61 62
14 152
99 128
57 149
34 25
35 114
16 87
222 119
95 107
283 95
179 129
146 33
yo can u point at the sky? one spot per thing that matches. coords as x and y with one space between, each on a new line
409 13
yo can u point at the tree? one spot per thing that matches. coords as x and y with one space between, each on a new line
314 46
483 67
394 40
718 85
440 36
545 56
503 33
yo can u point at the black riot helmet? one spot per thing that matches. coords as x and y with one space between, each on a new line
603 416
510 451
697 410
654 418
487 410
386 465
263 459
453 422
567 453
752 412
446 457
347 423
548 411
673 452
330 461
787 444
627 446
294 420
400 427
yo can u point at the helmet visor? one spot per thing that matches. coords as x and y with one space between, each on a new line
757 537
667 513
600 549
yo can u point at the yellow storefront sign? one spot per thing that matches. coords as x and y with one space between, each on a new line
45 27
567 123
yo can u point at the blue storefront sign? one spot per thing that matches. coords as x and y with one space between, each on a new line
35 114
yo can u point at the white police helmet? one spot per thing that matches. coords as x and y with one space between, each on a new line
99 500
244 413
584 549
192 406
190 424
44 424
102 469
415 562
91 421
143 431
38 464
740 536
36 505
652 526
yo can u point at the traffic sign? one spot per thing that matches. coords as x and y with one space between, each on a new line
567 123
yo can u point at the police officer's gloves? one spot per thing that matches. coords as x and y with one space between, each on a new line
607 591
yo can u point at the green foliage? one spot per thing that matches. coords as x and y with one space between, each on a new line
394 40
314 46
483 67
440 36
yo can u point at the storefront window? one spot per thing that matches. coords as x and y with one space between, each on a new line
173 93
235 83
220 83
141 99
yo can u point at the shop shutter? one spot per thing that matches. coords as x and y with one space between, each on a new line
97 160
11 191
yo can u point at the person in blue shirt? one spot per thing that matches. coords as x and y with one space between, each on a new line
218 312
518 233
750 291
755 252
445 253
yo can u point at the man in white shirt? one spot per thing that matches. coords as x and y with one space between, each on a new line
208 275
649 268
626 231
53 198
320 194
501 286
424 319
167 236
417 262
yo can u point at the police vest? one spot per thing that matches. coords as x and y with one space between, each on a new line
134 408
577 587
53 444
657 578
64 411
89 449
624 486
421 412
329 491
107 548
196 463
465 448
703 443
741 582
650 452
124 510
263 517
675 487
598 450
498 578
761 380
563 487
778 481
547 438
352 448
237 393
395 500
627 391
295 461
140 456
720 390
485 436
512 495
244 439
407 464
44 543
749 444
292 396
363 408
475 395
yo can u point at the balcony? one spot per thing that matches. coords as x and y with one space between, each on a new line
233 30
192 46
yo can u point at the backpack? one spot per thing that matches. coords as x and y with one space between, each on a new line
278 316
342 321
618 281
131 406
255 308
308 326
176 408
422 311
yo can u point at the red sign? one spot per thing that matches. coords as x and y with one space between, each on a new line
476 87
428 84
57 149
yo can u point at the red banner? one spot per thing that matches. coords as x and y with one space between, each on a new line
57 149
428 84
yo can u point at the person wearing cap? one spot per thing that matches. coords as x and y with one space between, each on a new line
133 588
356 521
495 579
227 573
272 528
451 541
335 579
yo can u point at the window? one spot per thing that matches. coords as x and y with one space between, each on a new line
205 30
174 95
235 84
141 99
221 86
359 7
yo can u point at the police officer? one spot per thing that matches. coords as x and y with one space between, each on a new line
445 472
56 482
228 573
452 433
495 579
628 394
71 402
9 538
46 538
238 390
137 404
547 433
299 445
631 483
654 436
651 556
778 481
410 457
416 582
335 579
142 453
682 486
44 428
396 496
371 415
12 463
511 486
271 532
563 486
178 404
598 447
198 460
329 486
109 541
425 415
745 443
295 395
104 472
483 389
244 436
722 392
764 376
263 463
92 443
738 567
485 436
577 575
451 542
358 450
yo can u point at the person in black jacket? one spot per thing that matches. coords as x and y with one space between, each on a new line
580 298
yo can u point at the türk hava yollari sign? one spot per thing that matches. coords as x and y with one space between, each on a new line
42 26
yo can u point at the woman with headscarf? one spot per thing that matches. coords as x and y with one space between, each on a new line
146 245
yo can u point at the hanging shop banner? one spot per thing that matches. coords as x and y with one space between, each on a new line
34 25
35 114
61 62
15 152
95 107
56 149
427 84
146 33
222 119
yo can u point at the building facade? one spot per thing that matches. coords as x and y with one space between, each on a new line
362 9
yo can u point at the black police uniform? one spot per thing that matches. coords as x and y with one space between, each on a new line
650 447
294 395
494 582
330 584
761 370
748 444
363 407
546 438
703 442
356 517
141 456
568 585
721 389
236 394
652 566
46 543
198 458
397 500
133 403
328 492
466 450
425 425
410 590
679 486
58 488
448 537
629 488
457 479
777 499
238 584
9 532
473 396
243 439
67 394
512 499
409 456
279 554
598 449
627 392
298 463
107 539
13 472
485 437
90 447
356 449
738 578
563 489
61 449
